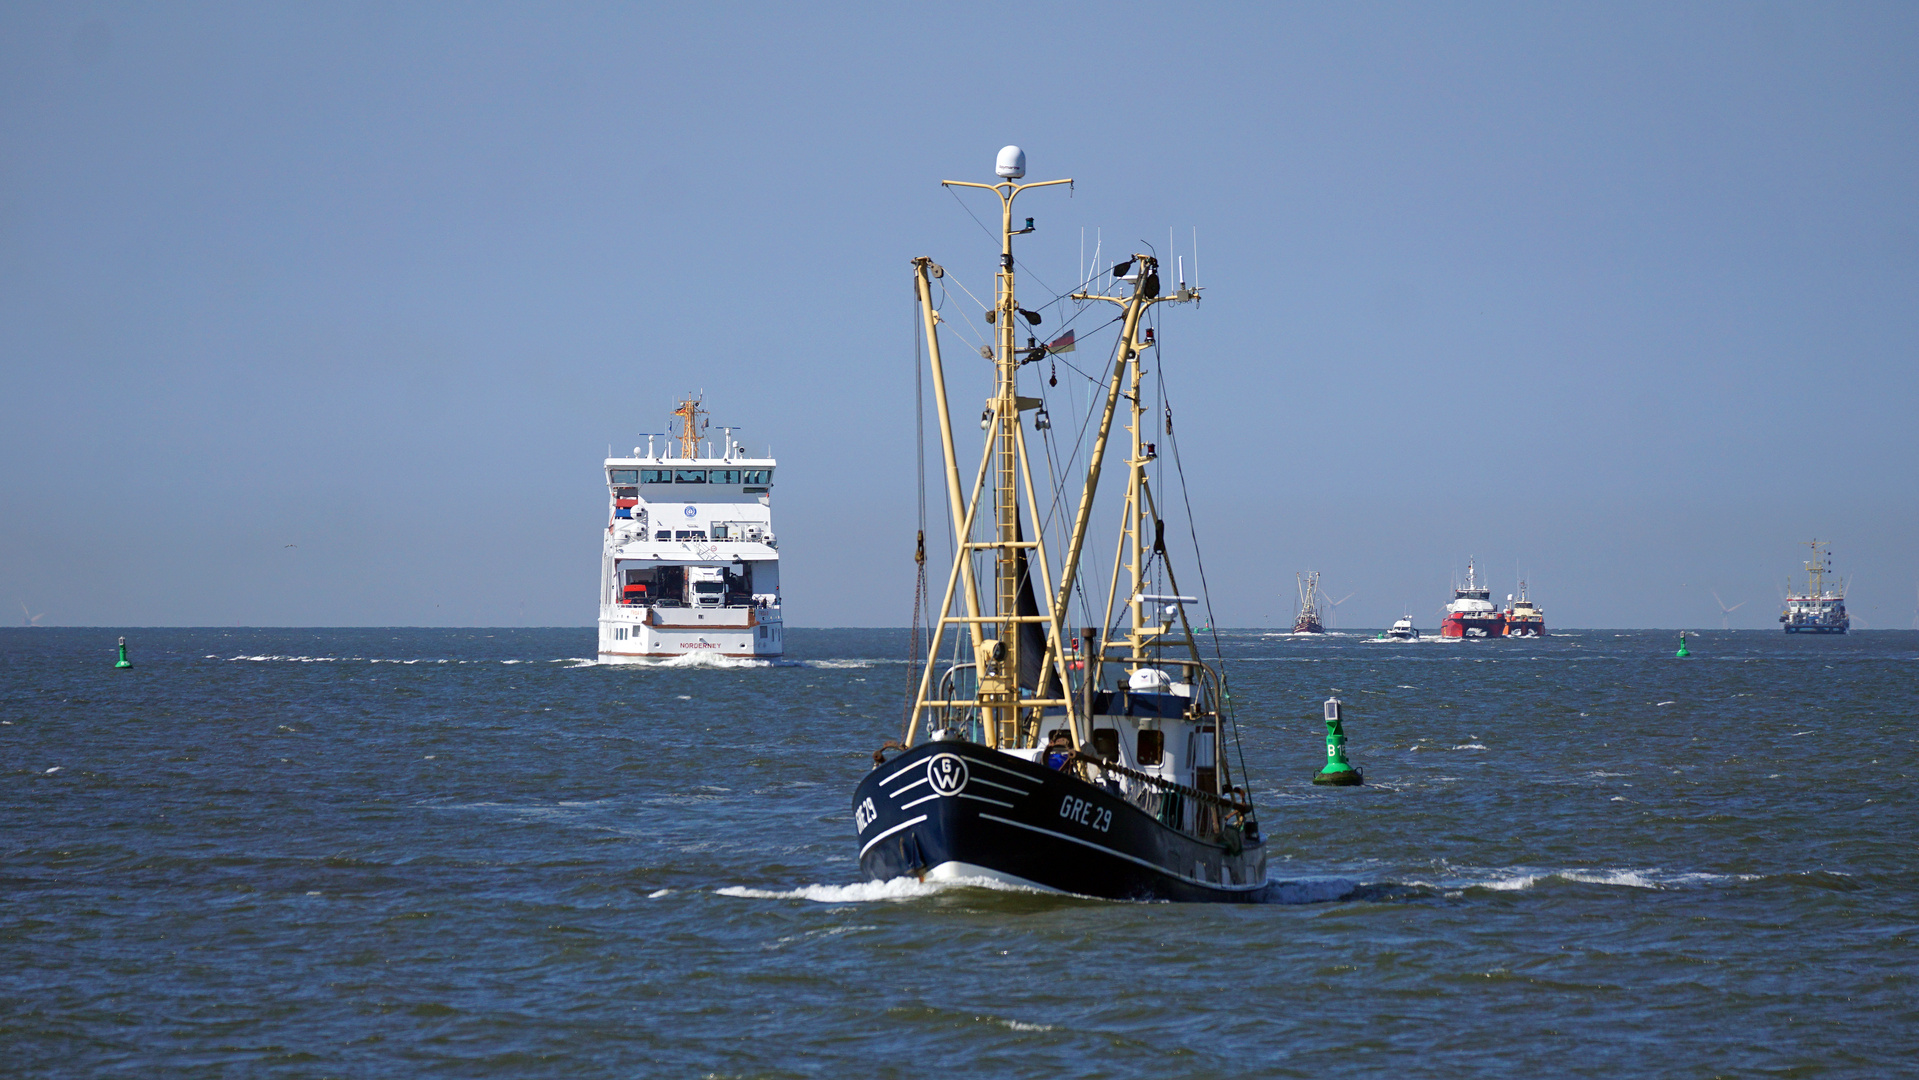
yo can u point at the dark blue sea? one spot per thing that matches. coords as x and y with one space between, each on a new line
475 853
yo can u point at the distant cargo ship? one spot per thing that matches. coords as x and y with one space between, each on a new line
1820 608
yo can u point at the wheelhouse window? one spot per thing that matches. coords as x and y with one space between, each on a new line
656 476
723 476
623 476
757 477
1152 747
689 476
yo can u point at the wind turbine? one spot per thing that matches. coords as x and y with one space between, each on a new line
1332 605
34 620
1725 613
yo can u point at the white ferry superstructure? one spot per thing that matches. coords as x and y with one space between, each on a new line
690 564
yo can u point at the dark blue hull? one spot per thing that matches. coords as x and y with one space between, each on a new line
959 809
1815 629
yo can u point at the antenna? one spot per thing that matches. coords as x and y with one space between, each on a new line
1011 164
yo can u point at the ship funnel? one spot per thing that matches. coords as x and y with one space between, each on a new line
1011 163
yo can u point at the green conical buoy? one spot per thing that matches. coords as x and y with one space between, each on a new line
1337 772
123 662
1683 652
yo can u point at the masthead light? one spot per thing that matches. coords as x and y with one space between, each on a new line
1011 163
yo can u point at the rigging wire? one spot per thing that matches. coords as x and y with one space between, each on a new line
1205 590
919 544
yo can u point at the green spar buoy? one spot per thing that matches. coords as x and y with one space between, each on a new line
123 662
1683 651
1337 771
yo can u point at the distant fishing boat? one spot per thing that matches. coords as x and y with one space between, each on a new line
1307 621
1113 779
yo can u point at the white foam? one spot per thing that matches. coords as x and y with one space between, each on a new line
1650 879
697 660
867 891
1469 746
1020 1025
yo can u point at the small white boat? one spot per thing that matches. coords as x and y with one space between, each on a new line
1403 630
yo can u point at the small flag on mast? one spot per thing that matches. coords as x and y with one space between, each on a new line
1060 344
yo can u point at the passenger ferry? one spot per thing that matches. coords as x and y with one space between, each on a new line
690 564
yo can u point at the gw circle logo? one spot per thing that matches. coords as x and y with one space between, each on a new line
692 511
946 774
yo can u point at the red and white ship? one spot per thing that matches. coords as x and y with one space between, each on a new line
1472 614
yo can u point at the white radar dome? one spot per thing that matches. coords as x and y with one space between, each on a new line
1012 163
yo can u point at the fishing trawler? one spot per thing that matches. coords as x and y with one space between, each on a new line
1307 621
1523 617
689 564
1109 777
1472 614
1819 608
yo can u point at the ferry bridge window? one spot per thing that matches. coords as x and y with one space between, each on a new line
623 476
663 534
689 476
656 476
690 534
756 476
723 476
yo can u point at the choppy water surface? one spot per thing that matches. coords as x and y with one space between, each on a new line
471 853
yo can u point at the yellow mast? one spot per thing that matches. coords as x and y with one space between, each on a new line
1009 719
996 634
1139 513
691 426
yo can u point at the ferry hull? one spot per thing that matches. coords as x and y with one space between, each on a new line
1473 626
954 809
1815 629
1525 627
641 635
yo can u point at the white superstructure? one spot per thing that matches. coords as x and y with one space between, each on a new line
690 563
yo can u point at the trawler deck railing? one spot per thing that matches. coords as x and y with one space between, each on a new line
1160 782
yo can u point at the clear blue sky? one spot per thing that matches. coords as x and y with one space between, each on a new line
1620 297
